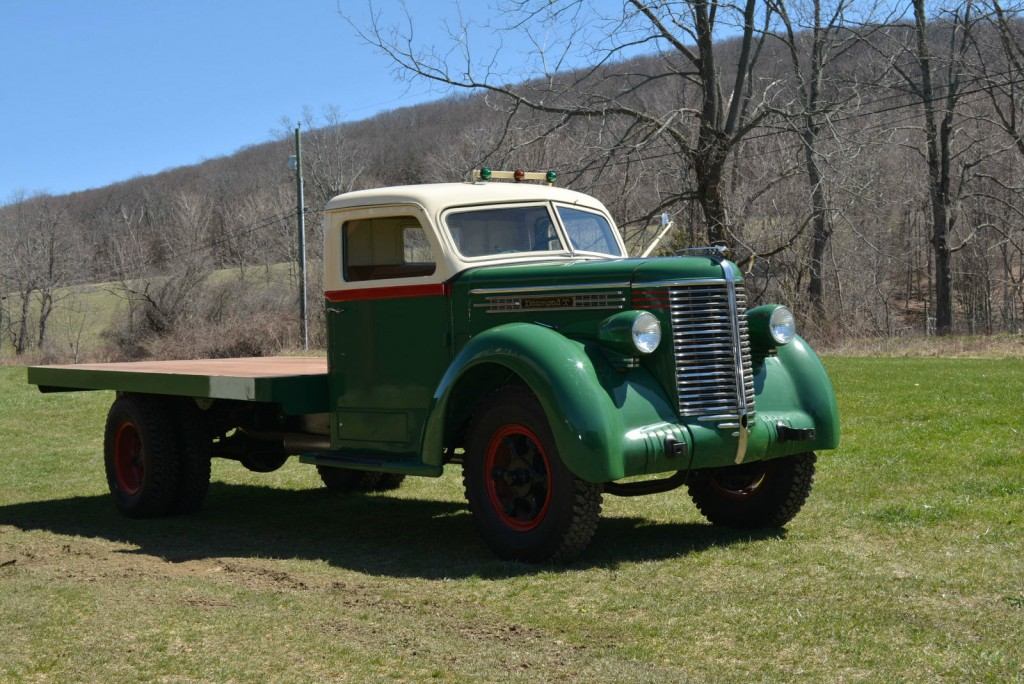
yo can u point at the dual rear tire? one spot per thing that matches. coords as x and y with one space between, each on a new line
156 456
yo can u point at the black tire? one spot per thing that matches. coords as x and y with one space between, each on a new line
194 446
526 503
763 494
264 461
348 480
141 456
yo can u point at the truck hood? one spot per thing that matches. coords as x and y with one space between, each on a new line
595 272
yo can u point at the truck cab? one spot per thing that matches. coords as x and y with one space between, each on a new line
400 265
502 327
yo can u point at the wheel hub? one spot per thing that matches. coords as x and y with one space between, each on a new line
129 468
518 477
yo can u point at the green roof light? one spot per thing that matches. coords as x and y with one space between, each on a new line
485 173
551 176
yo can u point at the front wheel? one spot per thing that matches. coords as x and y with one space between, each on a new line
761 494
526 503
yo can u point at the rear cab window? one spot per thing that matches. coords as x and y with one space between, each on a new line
386 247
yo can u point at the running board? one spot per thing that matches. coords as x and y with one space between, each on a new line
381 465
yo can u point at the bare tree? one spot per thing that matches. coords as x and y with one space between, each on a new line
817 34
937 84
1001 70
37 264
708 112
161 272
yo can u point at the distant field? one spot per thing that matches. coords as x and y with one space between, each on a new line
83 312
907 564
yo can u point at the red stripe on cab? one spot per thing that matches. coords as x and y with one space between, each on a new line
395 292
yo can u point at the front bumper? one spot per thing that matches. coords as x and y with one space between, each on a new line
796 412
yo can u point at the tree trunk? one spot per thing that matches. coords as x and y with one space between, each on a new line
819 224
938 178
45 309
709 169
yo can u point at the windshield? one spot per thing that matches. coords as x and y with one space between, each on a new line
589 232
505 230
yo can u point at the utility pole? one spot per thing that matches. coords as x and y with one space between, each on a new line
297 160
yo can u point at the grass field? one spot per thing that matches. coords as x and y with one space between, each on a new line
907 564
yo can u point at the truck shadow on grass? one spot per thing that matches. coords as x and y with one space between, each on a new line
378 534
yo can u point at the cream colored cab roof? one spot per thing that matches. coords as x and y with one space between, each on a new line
436 197
433 199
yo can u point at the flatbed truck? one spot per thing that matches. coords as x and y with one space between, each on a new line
500 328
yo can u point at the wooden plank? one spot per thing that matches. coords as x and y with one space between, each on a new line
254 367
297 384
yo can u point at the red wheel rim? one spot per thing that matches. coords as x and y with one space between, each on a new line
128 467
518 475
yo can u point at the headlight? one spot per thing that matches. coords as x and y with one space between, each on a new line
770 326
631 332
646 332
782 325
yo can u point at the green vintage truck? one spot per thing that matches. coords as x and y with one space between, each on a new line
500 327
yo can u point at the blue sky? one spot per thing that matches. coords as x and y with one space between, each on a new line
100 91
93 92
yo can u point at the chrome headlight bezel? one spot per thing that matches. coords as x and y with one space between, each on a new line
646 332
770 326
631 333
782 325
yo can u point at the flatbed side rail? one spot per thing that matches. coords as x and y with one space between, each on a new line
297 394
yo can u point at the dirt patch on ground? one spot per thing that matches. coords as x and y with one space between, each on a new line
258 577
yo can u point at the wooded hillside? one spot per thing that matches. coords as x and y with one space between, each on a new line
865 173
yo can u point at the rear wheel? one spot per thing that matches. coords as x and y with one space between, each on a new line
141 456
349 480
526 503
761 494
194 446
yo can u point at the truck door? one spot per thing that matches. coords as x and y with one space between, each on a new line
389 332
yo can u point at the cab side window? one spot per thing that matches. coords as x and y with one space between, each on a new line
389 247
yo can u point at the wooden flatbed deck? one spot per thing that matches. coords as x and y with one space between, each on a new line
297 383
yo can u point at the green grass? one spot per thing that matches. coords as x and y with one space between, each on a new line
907 564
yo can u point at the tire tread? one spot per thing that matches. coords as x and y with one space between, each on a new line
775 508
160 488
585 510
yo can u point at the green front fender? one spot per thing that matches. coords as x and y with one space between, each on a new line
792 386
590 407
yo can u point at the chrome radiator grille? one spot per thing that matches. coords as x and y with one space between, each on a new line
711 346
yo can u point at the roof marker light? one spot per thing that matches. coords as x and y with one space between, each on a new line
486 173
